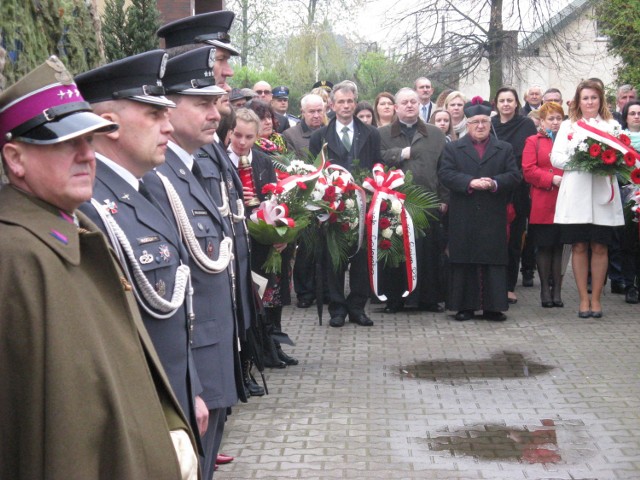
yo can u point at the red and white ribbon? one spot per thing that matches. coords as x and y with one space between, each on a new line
273 214
290 182
607 139
382 187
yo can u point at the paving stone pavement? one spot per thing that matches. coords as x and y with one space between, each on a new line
544 395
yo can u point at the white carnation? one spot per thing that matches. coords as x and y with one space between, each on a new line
396 207
583 147
399 230
387 233
349 203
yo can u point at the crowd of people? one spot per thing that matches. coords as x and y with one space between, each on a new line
132 184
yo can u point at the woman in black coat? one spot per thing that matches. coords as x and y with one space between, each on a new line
480 173
513 128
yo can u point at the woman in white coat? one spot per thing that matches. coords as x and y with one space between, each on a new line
588 205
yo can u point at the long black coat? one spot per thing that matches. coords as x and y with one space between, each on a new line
478 220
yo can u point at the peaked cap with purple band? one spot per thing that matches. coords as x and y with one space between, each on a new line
45 107
211 28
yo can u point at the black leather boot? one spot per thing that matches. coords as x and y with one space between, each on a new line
250 383
284 357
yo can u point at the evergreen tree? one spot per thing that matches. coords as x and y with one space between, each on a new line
620 21
129 31
32 31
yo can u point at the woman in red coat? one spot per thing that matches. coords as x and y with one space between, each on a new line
545 181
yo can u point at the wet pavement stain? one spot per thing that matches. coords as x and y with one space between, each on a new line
500 443
500 365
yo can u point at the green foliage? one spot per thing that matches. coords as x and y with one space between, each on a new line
32 31
377 73
129 31
621 23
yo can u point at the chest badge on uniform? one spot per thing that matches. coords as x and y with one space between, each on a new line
145 258
161 287
125 196
111 206
164 252
210 249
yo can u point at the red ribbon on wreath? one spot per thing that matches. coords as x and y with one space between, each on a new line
382 187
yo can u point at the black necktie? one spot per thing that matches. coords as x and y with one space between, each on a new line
144 191
197 172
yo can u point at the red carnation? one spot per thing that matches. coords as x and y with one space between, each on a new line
570 136
384 223
624 139
333 218
301 185
330 194
340 207
385 244
609 156
629 159
344 227
595 150
268 188
384 206
635 176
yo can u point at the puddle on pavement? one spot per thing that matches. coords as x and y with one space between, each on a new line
499 365
500 443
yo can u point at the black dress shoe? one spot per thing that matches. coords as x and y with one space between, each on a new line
286 358
304 303
463 315
585 314
596 314
494 316
558 303
632 295
548 304
393 307
430 307
254 389
361 320
337 321
527 278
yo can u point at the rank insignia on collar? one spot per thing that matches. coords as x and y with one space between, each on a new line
161 288
125 197
145 258
111 206
210 249
182 171
165 253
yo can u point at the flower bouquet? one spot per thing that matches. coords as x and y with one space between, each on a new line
602 149
284 214
271 224
398 212
339 207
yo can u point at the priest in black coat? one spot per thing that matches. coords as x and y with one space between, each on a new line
480 172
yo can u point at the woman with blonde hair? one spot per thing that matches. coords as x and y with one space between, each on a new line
454 104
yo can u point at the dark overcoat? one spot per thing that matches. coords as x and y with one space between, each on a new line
478 219
83 391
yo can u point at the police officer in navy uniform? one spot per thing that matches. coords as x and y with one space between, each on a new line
219 175
177 184
129 92
280 103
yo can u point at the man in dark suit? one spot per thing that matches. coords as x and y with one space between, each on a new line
348 142
149 243
424 88
177 184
